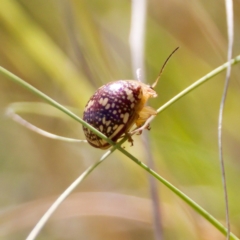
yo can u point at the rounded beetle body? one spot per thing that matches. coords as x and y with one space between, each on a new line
115 108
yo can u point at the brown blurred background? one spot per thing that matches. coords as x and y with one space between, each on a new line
68 49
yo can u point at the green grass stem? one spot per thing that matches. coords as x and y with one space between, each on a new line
184 197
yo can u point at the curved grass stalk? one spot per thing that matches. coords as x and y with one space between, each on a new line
35 231
52 102
230 28
184 197
11 113
40 108
15 117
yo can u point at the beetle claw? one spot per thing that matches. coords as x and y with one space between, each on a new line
139 132
130 140
141 129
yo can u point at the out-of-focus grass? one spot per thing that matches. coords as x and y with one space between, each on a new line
67 50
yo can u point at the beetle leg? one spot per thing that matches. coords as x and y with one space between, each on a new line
130 139
143 115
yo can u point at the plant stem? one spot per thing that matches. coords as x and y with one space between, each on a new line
184 197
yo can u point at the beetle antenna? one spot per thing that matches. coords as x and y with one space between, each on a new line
160 73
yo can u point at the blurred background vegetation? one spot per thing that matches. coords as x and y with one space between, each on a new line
68 49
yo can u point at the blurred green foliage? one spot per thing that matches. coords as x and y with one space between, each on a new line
68 49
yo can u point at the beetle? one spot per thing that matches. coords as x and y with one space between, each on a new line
116 106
